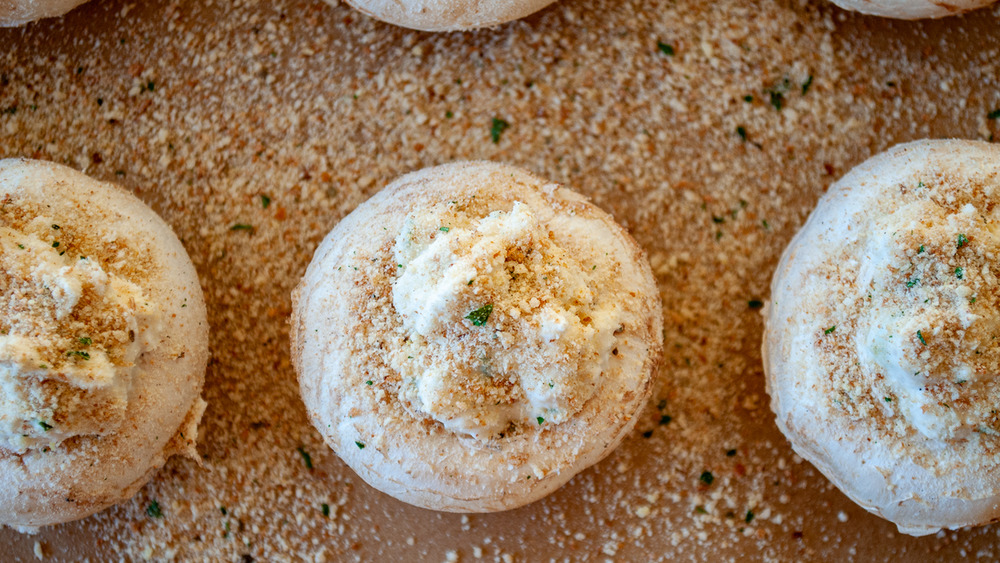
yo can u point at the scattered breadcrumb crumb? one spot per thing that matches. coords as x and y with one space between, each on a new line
253 127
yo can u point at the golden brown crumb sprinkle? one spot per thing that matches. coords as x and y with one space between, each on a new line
253 127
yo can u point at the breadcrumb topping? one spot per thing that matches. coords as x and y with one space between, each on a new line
911 317
284 116
505 325
70 334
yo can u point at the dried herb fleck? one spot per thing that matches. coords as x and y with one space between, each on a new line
306 458
497 129
153 510
480 315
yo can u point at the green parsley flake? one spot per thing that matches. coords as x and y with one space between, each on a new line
962 241
306 458
707 478
360 445
498 127
921 249
79 353
995 114
325 509
85 340
920 336
777 99
959 272
665 420
153 510
755 304
912 282
831 329
665 48
56 227
480 315
742 132
55 244
241 227
749 516
807 84
540 420
888 399
45 426
444 229
265 201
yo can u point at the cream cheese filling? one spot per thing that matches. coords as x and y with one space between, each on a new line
71 334
504 326
931 325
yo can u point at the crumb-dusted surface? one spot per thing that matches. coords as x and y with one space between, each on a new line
254 127
494 337
879 341
104 344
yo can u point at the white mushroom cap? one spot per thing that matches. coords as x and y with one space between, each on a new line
447 15
879 342
912 9
20 12
150 403
472 336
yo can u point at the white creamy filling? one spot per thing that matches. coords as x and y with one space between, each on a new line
71 336
922 324
537 356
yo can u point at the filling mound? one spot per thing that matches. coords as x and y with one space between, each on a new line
70 337
505 322
932 322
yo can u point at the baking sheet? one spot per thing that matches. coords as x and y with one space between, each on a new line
707 129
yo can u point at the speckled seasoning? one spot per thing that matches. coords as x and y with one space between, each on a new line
253 127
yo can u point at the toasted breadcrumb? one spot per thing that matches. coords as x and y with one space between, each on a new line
253 127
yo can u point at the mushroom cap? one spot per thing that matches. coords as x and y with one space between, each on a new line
19 12
877 336
912 9
87 473
448 15
354 344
